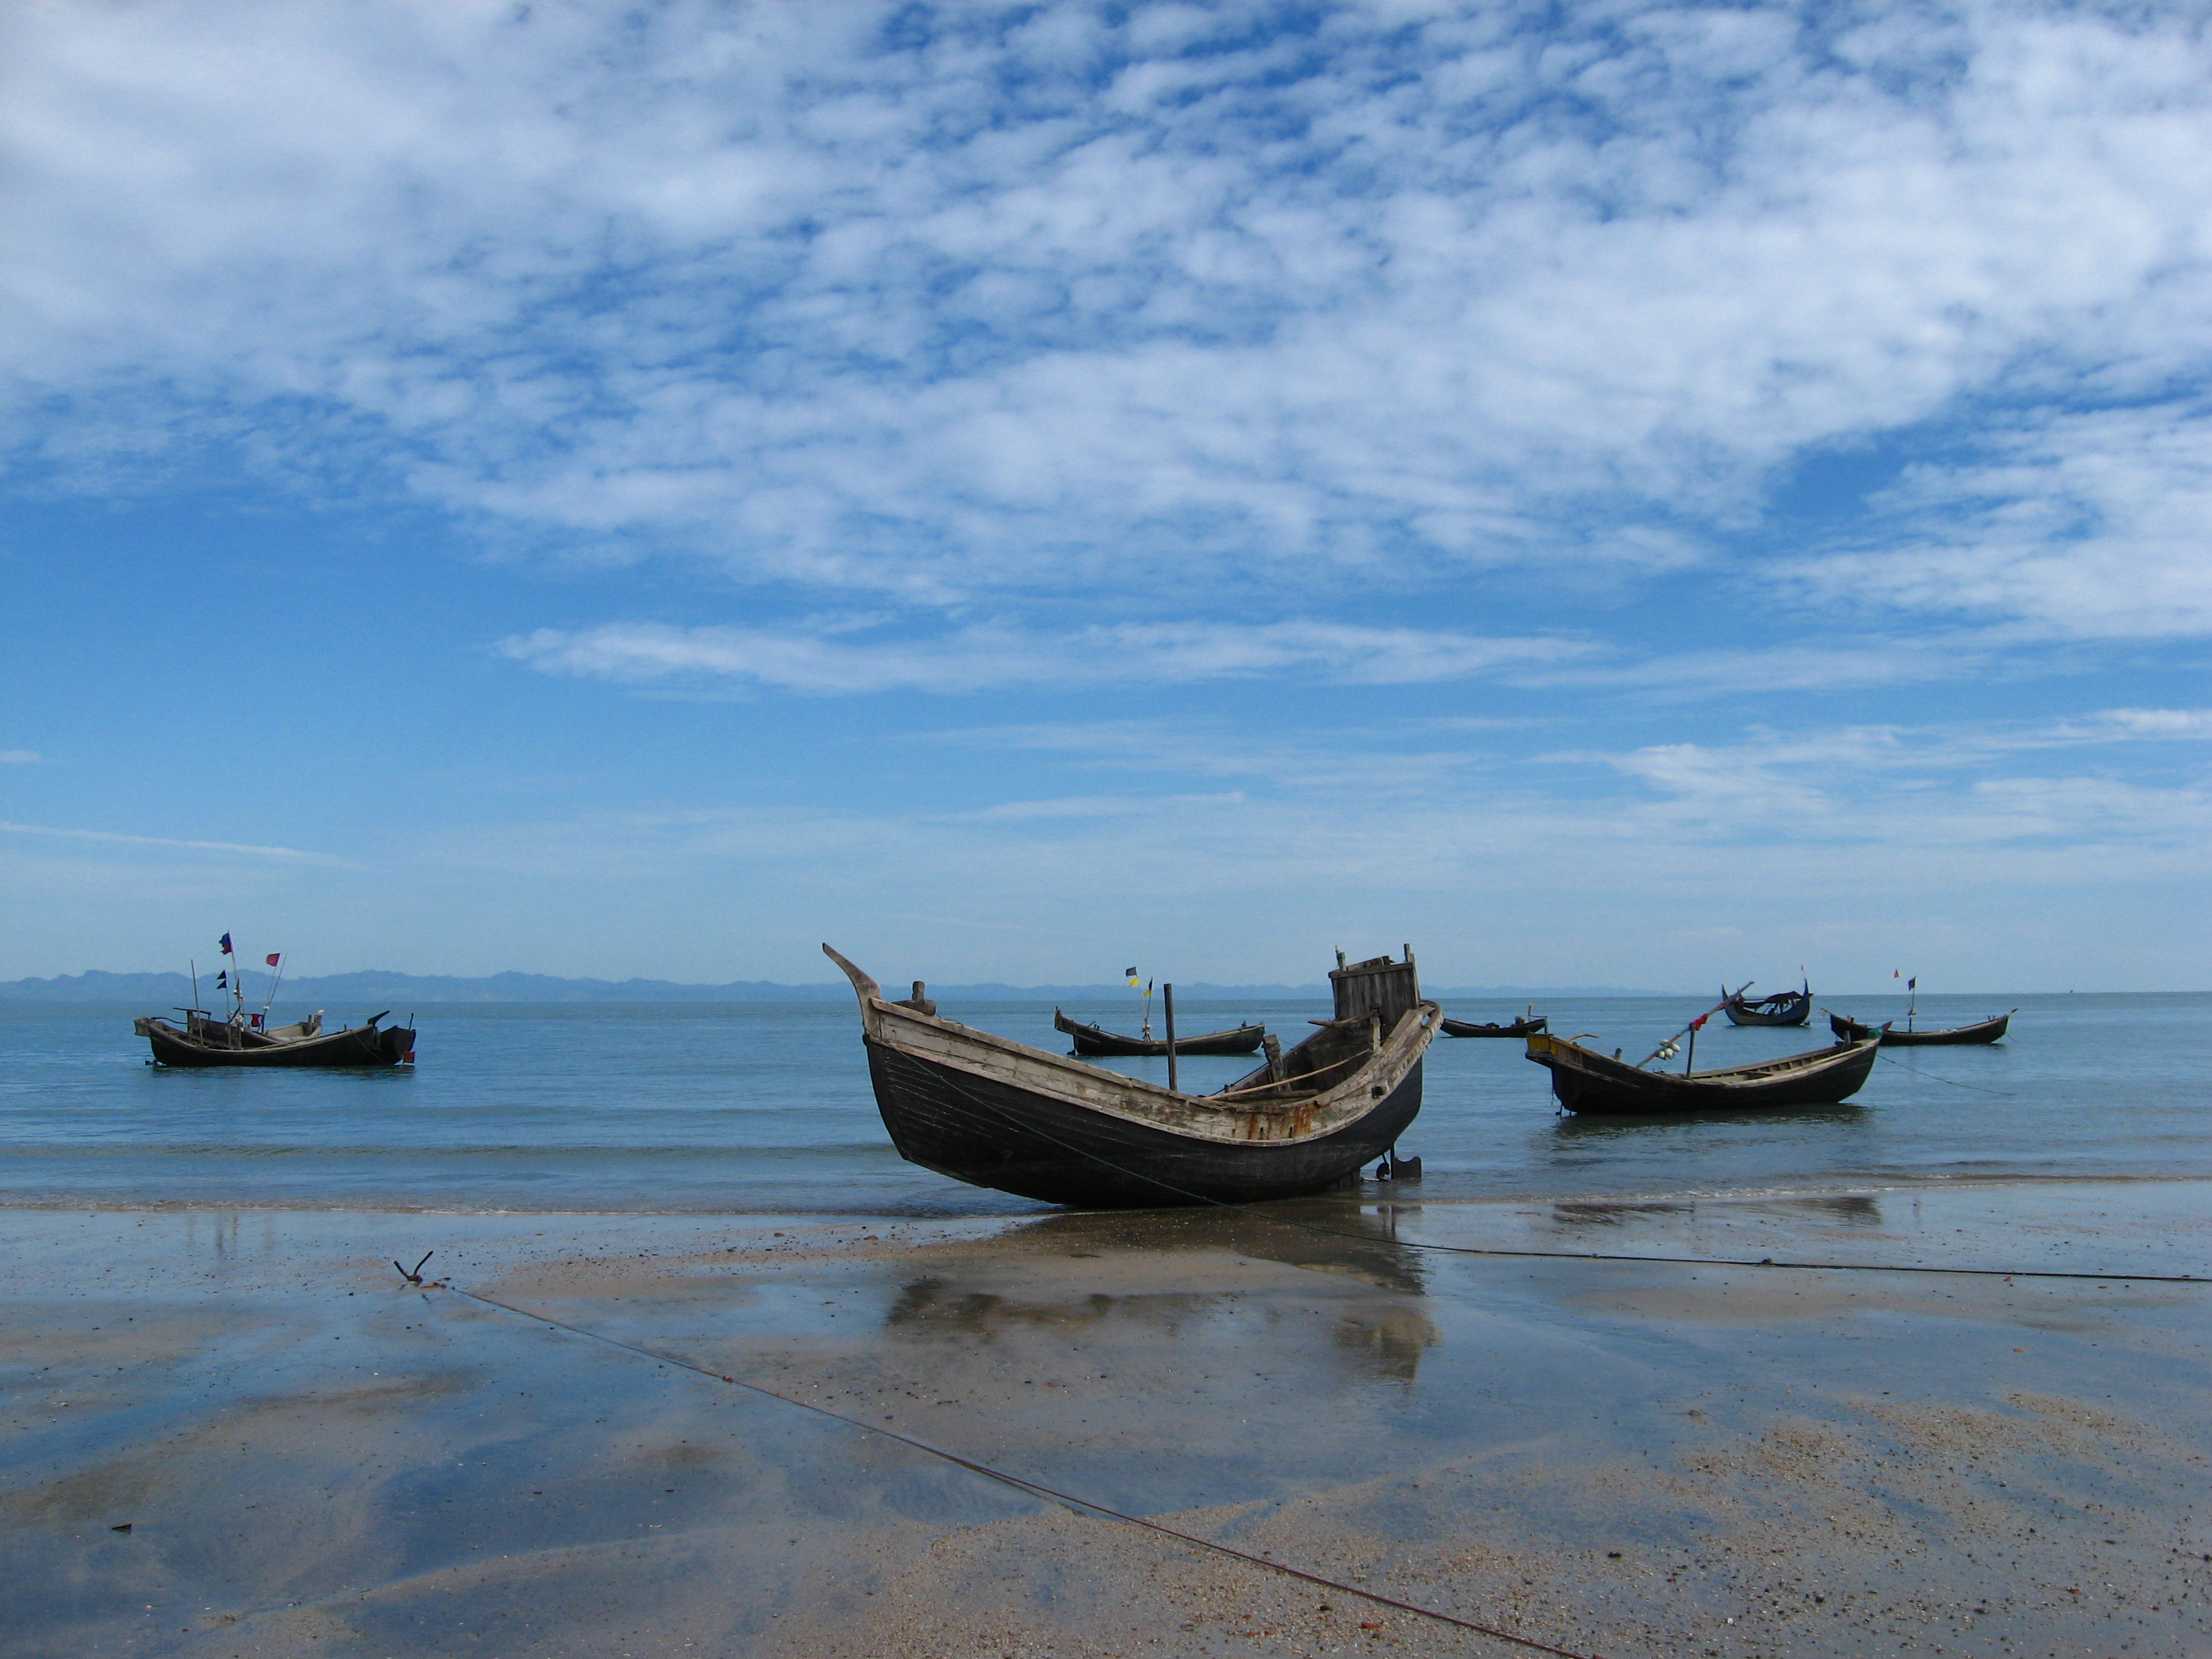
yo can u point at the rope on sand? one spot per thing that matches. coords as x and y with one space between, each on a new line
1033 1488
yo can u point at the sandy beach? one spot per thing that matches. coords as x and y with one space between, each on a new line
243 1433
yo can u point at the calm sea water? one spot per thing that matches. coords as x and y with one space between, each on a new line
766 1108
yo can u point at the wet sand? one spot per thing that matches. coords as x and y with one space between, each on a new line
1620 1458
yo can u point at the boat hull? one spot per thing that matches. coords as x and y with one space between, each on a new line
1092 1040
1519 1028
990 1133
1985 1030
365 1046
1798 1013
1583 1081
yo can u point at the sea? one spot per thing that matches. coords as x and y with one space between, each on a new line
766 1109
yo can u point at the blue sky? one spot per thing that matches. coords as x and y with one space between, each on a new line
1619 494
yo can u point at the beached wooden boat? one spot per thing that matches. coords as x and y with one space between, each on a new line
205 1041
1587 1081
1782 1008
1982 1030
1467 1028
1092 1039
996 1113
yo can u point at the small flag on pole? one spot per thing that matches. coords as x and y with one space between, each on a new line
273 955
222 980
1130 974
226 944
1912 984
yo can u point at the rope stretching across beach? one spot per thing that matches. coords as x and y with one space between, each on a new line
1085 1505
1032 1488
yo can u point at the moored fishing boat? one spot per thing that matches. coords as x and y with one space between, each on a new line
1584 1080
1092 1039
1982 1030
1782 1008
1522 1027
205 1041
245 1038
996 1113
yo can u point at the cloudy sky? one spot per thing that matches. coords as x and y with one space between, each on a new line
1611 494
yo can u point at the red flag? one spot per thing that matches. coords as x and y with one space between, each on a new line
273 955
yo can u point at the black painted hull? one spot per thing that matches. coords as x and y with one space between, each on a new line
992 1133
1585 1082
366 1045
1985 1030
1092 1040
1463 1028
1798 1011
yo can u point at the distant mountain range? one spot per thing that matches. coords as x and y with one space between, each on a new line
157 991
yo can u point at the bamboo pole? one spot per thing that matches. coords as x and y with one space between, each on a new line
1167 1007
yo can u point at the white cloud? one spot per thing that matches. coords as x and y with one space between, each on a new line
2086 525
1075 300
2160 722
289 855
19 758
1909 795
825 660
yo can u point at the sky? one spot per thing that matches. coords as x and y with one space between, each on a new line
1612 494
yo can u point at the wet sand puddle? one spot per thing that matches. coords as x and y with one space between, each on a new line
1611 1457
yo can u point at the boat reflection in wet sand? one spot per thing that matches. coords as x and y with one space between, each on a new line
996 1113
1587 1081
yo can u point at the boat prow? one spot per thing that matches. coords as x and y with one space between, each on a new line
995 1113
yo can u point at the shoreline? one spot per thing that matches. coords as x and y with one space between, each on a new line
1613 1457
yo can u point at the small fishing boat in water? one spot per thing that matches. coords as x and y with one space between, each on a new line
1586 1081
1092 1039
245 1038
1982 1030
205 1041
1782 1008
996 1113
1522 1027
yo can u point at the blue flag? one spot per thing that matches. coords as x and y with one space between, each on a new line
226 944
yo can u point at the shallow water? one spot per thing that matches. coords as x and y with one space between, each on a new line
766 1108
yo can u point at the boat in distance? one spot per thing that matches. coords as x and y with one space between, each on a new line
1514 1028
1586 1081
205 1041
995 1113
1092 1039
1982 1030
1782 1008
